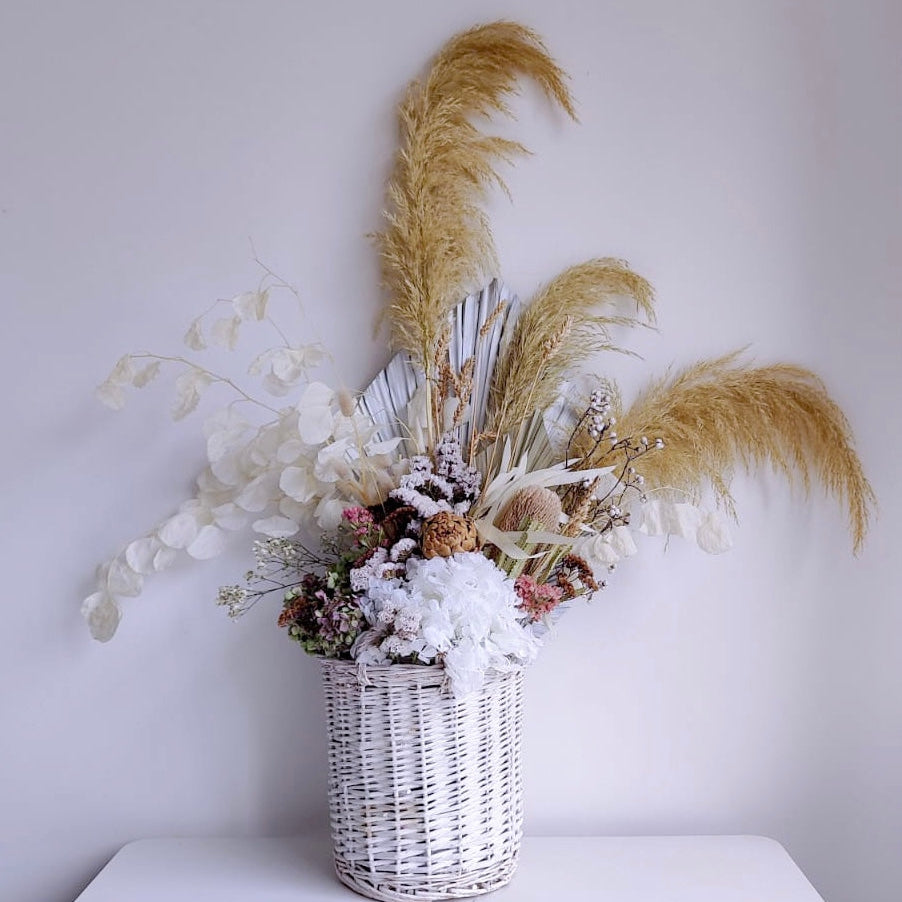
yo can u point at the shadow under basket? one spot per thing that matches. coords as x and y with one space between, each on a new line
425 792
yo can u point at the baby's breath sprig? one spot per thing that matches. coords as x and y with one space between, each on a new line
280 566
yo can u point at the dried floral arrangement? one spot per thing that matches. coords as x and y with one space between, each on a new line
449 512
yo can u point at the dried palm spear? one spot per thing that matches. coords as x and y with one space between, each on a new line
721 413
437 245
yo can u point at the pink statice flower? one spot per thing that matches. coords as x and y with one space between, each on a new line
537 599
360 520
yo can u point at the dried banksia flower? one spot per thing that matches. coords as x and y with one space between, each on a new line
532 504
445 534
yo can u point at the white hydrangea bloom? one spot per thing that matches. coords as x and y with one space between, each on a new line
462 610
466 664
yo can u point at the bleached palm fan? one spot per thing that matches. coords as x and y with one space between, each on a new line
476 329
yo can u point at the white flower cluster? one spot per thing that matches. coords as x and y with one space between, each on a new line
450 465
415 486
461 610
378 567
450 485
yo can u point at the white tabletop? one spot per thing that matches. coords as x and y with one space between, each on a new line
562 869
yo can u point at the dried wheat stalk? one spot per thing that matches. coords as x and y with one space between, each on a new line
562 326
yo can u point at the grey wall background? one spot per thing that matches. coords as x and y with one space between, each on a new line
743 156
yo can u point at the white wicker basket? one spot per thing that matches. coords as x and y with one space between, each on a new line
425 793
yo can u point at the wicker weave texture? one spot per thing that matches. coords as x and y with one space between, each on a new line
425 793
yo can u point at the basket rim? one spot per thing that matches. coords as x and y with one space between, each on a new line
351 664
384 675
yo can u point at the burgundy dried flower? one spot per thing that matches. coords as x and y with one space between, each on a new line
575 577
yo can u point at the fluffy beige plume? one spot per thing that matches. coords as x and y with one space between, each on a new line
562 326
437 245
722 413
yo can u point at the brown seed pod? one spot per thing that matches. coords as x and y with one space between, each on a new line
445 534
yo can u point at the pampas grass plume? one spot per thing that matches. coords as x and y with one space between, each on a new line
437 245
721 414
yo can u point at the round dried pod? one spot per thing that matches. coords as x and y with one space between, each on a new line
532 504
445 534
395 524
